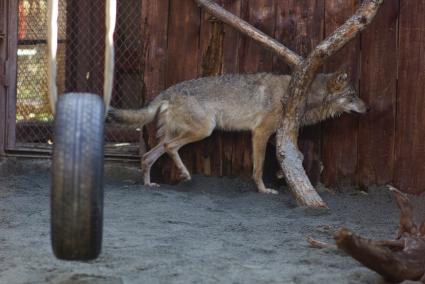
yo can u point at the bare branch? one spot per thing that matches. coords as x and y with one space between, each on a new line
319 244
378 258
407 225
395 260
287 55
345 33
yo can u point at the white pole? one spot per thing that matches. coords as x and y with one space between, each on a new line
111 14
52 41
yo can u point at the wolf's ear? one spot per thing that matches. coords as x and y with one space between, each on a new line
338 80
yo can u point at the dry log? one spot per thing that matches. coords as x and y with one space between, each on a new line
304 72
396 260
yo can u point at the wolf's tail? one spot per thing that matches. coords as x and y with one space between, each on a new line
137 116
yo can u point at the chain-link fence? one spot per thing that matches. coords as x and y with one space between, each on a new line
80 63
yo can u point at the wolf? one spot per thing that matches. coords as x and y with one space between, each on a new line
191 110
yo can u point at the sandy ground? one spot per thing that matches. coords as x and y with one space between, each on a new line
210 230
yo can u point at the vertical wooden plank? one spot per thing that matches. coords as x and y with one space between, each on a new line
410 125
154 31
183 41
154 35
339 138
231 44
300 26
183 56
378 85
208 152
252 59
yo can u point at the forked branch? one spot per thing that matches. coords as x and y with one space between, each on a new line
287 134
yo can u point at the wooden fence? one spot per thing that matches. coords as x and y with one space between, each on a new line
387 62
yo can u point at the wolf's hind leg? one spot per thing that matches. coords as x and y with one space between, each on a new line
172 147
259 144
148 160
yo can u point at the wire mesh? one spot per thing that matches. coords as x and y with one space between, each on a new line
80 63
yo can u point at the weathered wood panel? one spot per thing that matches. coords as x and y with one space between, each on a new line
183 57
410 126
231 46
181 42
339 140
154 31
300 25
378 87
252 58
208 152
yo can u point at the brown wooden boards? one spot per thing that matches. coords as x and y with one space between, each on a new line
339 143
209 151
378 87
410 125
300 26
252 58
154 31
183 56
182 43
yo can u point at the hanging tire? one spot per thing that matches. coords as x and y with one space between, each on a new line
77 177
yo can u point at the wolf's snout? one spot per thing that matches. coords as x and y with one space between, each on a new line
358 107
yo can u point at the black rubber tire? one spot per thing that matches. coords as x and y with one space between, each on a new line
77 177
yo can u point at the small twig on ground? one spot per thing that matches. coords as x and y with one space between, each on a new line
319 244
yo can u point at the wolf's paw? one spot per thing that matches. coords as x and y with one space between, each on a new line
269 191
152 184
185 176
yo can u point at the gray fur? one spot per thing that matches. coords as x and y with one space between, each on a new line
191 110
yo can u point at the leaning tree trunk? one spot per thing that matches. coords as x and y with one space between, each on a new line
304 72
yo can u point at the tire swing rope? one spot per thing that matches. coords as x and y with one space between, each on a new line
52 41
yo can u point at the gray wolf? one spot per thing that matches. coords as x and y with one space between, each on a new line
191 110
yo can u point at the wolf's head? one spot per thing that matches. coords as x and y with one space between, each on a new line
330 96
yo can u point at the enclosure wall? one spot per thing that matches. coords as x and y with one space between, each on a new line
363 150
170 41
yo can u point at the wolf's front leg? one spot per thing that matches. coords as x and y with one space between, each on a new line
259 144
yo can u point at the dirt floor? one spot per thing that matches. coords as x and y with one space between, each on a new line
210 230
